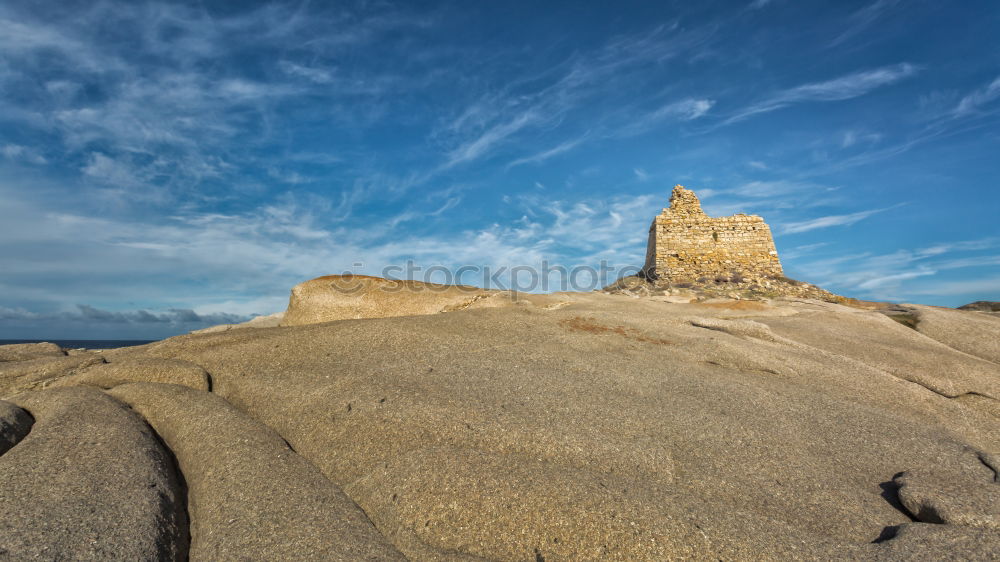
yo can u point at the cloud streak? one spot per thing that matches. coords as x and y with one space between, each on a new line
863 19
544 155
838 89
972 102
830 221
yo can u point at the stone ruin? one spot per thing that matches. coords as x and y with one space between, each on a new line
686 245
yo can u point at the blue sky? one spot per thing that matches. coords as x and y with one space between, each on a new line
165 166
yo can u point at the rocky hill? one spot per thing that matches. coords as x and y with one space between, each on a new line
572 426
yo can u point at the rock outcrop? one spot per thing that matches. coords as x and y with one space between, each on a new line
25 351
34 374
343 297
15 423
89 482
982 306
151 369
571 426
268 321
250 496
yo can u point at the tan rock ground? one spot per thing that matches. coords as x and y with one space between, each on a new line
269 321
25 351
144 369
593 426
16 376
341 297
251 497
89 482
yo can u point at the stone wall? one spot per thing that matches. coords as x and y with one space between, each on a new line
685 244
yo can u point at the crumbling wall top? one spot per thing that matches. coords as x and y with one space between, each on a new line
683 202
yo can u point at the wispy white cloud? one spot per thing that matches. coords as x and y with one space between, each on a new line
544 155
22 153
315 74
482 144
838 89
830 220
499 115
640 174
687 109
776 188
799 252
987 288
110 171
163 104
977 99
863 19
917 271
877 283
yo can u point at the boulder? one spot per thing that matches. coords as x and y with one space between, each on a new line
25 351
89 482
15 423
250 496
982 306
342 297
974 333
967 494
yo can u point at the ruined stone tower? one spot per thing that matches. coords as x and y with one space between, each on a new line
685 244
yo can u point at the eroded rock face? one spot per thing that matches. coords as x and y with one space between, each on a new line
152 369
89 482
601 426
269 321
250 496
982 306
15 423
26 351
36 374
973 333
342 297
577 426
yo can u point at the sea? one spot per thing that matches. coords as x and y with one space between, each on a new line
88 344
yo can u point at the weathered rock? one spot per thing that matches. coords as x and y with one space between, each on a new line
501 430
25 351
269 321
89 482
974 333
889 346
151 369
340 297
250 495
982 306
15 423
589 426
443 499
924 541
748 328
750 288
956 495
35 374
